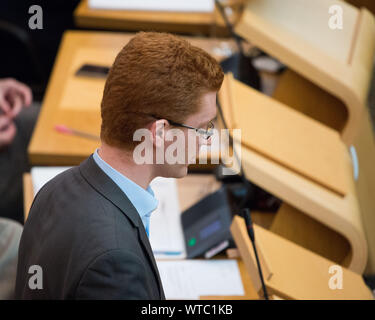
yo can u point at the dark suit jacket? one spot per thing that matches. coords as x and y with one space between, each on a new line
88 239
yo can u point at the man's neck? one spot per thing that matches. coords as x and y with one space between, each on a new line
123 162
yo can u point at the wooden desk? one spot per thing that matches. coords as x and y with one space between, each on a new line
282 137
189 193
300 94
75 102
338 61
331 74
180 22
292 272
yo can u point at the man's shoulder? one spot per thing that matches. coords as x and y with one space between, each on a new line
70 197
65 185
77 212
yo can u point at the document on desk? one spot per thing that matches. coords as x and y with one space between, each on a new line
190 279
154 5
166 234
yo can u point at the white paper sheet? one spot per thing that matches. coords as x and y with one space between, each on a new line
166 235
154 5
190 279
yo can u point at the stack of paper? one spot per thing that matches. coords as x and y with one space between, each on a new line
166 234
190 279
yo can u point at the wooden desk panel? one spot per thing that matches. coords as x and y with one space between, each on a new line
83 91
308 99
208 23
339 213
291 271
297 33
303 274
307 21
286 136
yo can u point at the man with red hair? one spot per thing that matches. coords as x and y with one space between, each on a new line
88 228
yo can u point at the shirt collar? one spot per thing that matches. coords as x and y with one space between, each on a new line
143 200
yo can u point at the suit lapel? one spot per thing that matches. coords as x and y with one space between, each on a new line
105 186
147 247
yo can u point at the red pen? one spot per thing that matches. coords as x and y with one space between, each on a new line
64 129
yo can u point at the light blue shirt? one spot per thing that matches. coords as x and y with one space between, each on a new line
143 200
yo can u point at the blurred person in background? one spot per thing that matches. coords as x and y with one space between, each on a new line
17 119
27 55
10 234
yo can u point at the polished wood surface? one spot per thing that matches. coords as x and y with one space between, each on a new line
329 81
304 96
338 61
208 23
295 272
339 213
286 136
75 102
365 185
294 225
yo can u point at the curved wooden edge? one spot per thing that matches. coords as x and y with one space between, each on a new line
297 273
348 82
365 185
360 74
341 214
299 93
294 225
209 23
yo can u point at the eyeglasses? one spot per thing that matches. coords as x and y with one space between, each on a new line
203 133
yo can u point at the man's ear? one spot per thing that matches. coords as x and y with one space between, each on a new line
158 132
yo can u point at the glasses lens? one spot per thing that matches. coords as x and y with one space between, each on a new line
206 134
210 129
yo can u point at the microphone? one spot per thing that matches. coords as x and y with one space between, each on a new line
245 212
243 65
229 26
250 230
